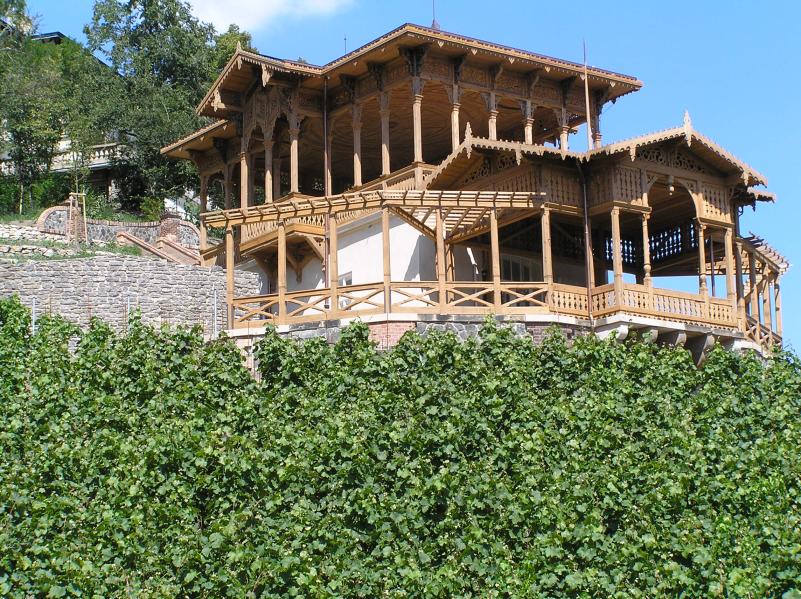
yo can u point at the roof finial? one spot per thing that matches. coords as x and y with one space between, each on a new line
434 22
688 127
468 133
238 46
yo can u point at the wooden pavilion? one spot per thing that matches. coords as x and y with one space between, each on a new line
427 177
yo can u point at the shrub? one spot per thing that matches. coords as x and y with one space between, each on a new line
151 463
152 208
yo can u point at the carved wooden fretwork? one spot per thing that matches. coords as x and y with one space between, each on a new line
672 158
414 59
481 171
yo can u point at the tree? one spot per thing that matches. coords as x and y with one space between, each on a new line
30 107
163 54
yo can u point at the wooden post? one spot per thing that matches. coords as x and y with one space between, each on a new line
229 274
702 268
646 252
777 305
227 186
766 311
386 260
738 263
204 199
753 290
701 260
383 110
281 272
417 118
244 180
547 264
357 145
329 142
268 171
333 265
294 133
455 126
440 258
617 257
528 121
496 260
731 292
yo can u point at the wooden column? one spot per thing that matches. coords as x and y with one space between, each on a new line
777 305
244 180
417 118
766 311
204 200
528 121
496 259
753 290
357 144
281 272
731 292
229 274
333 265
738 264
439 230
547 264
701 260
646 252
383 111
227 187
386 260
563 137
268 171
327 174
617 256
294 134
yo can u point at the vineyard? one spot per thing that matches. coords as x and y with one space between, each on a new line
153 464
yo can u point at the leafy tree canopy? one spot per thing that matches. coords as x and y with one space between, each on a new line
161 60
152 464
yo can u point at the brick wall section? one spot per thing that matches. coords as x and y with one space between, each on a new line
387 334
104 286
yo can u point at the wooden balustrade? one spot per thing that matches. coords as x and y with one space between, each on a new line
662 303
477 298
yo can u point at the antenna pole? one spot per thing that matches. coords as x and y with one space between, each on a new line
587 98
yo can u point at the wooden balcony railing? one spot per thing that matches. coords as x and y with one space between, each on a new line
662 303
477 298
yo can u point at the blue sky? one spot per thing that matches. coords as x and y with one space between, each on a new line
733 64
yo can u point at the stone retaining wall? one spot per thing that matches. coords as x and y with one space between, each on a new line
105 286
54 221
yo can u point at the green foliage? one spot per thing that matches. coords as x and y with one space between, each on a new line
152 464
152 208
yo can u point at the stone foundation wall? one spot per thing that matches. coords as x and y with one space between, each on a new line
387 333
106 286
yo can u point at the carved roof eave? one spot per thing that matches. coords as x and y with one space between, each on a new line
210 130
750 175
625 83
767 253
275 65
520 149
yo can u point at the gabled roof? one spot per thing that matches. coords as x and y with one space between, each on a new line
200 140
456 164
768 253
410 34
702 145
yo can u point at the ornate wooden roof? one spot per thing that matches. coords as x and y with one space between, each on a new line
234 77
702 145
